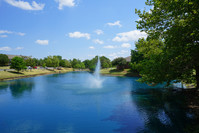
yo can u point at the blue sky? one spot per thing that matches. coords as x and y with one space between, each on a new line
71 28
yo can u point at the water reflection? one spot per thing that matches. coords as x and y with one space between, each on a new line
19 87
63 103
4 85
160 110
164 111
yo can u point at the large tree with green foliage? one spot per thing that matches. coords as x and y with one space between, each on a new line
91 64
55 61
120 62
18 63
30 62
64 63
76 63
4 60
136 58
52 61
175 22
152 62
105 62
87 63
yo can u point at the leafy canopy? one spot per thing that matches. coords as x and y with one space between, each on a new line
4 60
120 62
18 63
175 23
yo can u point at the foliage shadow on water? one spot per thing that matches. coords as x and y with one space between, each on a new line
18 87
160 110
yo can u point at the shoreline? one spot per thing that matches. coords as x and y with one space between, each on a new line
66 71
28 76
192 103
39 73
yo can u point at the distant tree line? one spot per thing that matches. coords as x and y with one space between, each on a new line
20 63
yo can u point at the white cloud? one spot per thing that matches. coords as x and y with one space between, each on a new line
78 34
91 47
113 55
99 32
26 5
20 33
126 45
97 41
110 46
129 36
42 42
122 52
19 48
3 36
118 54
10 32
62 3
117 23
5 49
5 32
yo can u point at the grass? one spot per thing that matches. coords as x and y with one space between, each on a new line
115 72
6 75
4 67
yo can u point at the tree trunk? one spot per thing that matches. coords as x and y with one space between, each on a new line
197 78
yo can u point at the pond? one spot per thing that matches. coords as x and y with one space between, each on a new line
65 103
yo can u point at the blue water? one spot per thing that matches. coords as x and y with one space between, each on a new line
64 103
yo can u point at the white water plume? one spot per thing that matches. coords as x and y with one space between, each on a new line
96 80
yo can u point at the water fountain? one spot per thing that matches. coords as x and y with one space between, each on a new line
97 69
96 80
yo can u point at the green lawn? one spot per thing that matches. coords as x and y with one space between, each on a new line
4 67
6 75
28 73
115 72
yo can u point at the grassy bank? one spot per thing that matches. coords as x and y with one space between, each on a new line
8 75
115 72
4 67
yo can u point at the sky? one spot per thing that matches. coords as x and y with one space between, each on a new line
71 28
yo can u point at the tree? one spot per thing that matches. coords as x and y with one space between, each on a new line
55 61
93 63
48 61
30 62
87 63
76 63
4 60
82 65
36 61
105 62
52 61
120 62
175 22
64 63
18 63
44 65
153 65
40 62
68 64
59 57
136 58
